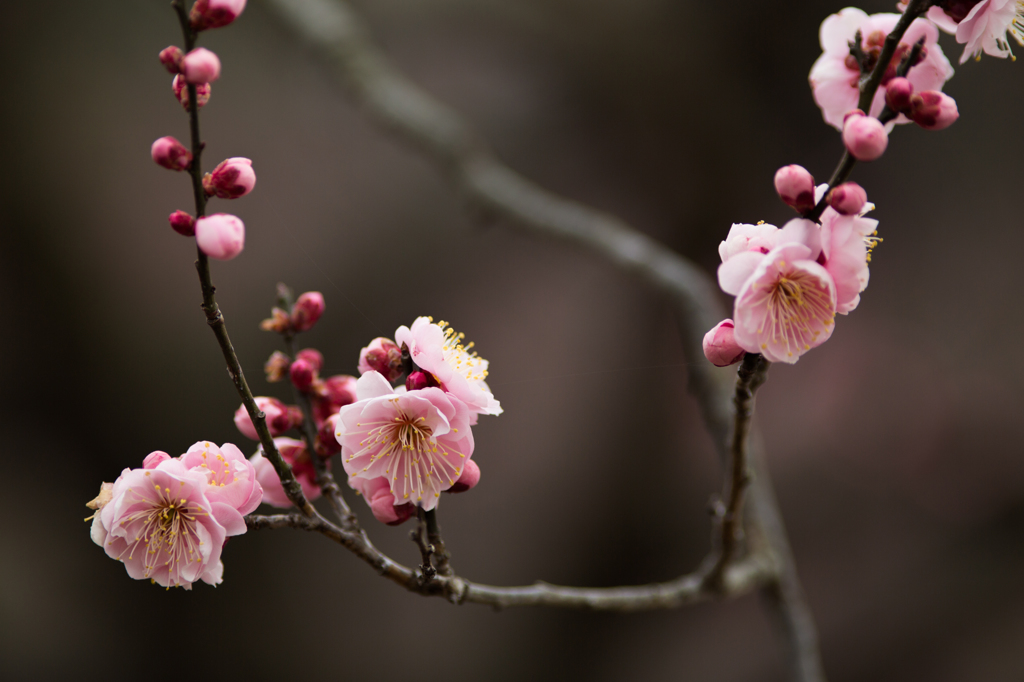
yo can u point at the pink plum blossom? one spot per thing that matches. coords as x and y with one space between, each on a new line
720 346
163 526
438 349
182 223
418 440
982 26
200 66
307 310
331 394
171 154
787 305
207 14
295 453
795 186
848 198
933 110
864 136
384 356
180 88
220 236
278 416
835 75
171 57
311 355
377 493
231 179
231 477
846 243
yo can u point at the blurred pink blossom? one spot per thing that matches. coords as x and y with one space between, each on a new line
180 88
848 198
170 153
982 26
206 14
220 236
795 186
200 66
182 223
418 440
295 453
171 57
279 418
308 309
384 356
835 75
864 136
933 110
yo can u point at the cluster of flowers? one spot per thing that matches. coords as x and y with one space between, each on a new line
168 521
221 235
403 446
790 283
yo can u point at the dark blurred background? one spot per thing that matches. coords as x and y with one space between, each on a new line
895 447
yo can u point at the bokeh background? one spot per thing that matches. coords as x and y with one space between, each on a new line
895 448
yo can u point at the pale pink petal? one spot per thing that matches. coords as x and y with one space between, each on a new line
734 273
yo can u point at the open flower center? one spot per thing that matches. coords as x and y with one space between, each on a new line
799 309
166 530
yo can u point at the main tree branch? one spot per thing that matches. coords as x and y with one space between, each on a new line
334 30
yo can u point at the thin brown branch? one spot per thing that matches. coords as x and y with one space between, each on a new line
214 316
741 577
334 30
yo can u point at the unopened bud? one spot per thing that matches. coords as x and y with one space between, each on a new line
232 178
200 66
180 88
327 444
720 345
795 186
864 136
214 13
312 356
154 459
384 356
933 110
339 390
171 57
897 94
848 198
302 375
276 368
419 380
469 478
182 223
276 413
170 153
220 236
307 310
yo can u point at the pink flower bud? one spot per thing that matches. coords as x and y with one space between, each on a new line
200 66
214 13
302 375
418 380
154 458
720 345
469 478
795 186
312 356
180 88
276 413
231 178
220 236
848 198
865 137
307 310
276 368
378 495
897 94
339 390
170 57
933 110
384 356
182 223
170 153
327 444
